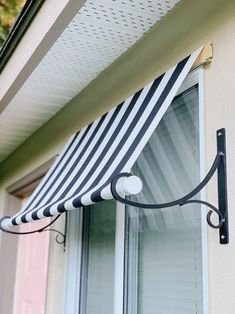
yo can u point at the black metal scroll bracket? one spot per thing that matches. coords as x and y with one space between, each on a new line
60 237
219 164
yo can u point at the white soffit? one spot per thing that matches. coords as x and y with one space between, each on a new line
99 33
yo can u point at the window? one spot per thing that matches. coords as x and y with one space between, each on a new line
135 261
163 247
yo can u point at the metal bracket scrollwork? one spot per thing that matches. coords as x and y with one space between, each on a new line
219 164
60 237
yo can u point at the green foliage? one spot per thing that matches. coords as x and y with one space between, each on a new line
9 10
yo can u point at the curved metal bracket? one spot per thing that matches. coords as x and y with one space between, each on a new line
60 234
219 164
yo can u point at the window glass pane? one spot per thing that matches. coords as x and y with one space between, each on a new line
97 289
163 250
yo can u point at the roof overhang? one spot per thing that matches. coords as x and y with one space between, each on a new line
61 53
41 34
46 34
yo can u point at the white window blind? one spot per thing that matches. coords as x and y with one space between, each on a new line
97 285
163 247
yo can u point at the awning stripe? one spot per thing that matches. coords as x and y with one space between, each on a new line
53 171
96 196
111 144
77 144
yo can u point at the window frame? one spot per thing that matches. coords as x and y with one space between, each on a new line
74 237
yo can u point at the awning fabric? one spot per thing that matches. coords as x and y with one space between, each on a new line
111 144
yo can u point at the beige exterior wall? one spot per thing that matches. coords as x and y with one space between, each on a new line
197 22
220 112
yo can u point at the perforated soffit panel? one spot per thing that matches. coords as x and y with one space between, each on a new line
99 33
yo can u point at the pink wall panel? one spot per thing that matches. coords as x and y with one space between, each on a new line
31 270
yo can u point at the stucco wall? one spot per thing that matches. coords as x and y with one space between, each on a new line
220 112
192 24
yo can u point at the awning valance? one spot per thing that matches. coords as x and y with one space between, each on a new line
83 172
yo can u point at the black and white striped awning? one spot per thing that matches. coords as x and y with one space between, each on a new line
83 172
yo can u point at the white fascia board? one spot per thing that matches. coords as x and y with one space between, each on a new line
46 27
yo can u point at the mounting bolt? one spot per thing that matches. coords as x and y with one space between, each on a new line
220 133
223 237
